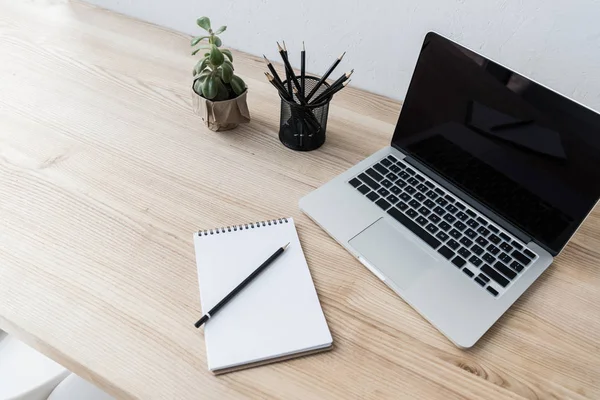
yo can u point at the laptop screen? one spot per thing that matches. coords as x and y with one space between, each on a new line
524 151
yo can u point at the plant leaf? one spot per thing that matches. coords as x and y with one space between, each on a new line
216 57
220 30
198 87
201 66
202 77
229 62
200 48
238 85
226 72
222 92
228 54
204 23
210 88
197 39
217 41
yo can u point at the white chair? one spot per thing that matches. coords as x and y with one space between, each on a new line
76 388
26 374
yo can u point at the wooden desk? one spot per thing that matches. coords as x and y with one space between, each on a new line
105 173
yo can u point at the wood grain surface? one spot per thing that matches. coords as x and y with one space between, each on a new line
105 172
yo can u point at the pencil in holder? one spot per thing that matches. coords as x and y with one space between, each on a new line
303 127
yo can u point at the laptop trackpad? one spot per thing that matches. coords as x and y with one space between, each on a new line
399 257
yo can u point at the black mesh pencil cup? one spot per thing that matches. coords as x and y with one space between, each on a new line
302 127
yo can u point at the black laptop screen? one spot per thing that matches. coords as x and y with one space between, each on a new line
526 152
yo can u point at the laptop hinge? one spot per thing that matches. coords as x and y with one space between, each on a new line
469 200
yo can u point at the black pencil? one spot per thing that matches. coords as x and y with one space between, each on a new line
334 86
273 71
240 287
303 69
278 86
290 73
287 74
324 77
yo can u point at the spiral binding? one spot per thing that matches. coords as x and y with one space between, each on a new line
235 228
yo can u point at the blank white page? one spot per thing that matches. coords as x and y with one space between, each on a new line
278 314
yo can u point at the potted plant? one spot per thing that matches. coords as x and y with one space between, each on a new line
218 94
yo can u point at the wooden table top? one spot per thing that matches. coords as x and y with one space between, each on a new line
105 172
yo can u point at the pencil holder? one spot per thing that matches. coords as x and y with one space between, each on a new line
303 127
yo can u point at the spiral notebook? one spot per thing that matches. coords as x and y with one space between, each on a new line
277 316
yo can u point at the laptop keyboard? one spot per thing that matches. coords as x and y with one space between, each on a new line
489 256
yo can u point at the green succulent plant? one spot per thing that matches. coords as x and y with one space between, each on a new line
214 76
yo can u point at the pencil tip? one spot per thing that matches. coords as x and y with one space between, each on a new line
342 56
279 46
284 46
347 82
286 246
303 48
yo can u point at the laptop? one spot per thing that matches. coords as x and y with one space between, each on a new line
488 176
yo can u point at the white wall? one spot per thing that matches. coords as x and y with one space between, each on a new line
555 42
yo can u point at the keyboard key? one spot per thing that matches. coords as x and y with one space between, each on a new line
392 199
460 206
410 171
414 204
489 258
468 272
420 196
481 241
392 177
432 228
460 226
481 221
434 218
516 266
386 162
442 236
411 213
364 189
505 236
504 257
445 226
441 201
404 196
450 208
493 228
471 213
383 192
381 169
520 257
453 244
412 181
370 182
493 249
472 223
401 183
425 211
392 158
421 220
439 211
383 204
420 178
480 281
458 261
402 206
450 198
517 245
462 216
439 191
494 239
493 291
387 183
477 250
372 196
395 168
482 230
422 188
446 252
403 174
429 203
374 174
450 218
401 164
355 182
464 252
508 272
471 233
429 185
455 234
496 276
476 261
416 229
483 278
395 190
466 242
432 195
529 253
410 189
